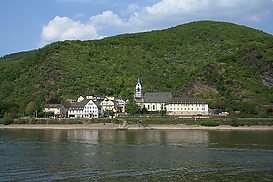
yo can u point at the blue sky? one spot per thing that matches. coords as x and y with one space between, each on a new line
31 24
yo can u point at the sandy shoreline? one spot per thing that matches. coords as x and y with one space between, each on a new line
130 127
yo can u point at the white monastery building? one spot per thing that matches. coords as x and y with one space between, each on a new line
179 106
152 101
174 106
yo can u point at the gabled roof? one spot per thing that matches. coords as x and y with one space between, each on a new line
79 104
83 103
53 106
157 97
185 100
98 104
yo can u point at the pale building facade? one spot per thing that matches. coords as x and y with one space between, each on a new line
179 106
58 109
85 109
108 105
151 101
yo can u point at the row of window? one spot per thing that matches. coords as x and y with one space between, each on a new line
90 116
186 109
149 107
187 105
81 111
186 113
90 107
85 116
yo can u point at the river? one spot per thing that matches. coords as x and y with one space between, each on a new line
142 155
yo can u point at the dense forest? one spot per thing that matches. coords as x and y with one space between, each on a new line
231 66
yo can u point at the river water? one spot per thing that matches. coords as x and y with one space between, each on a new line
143 155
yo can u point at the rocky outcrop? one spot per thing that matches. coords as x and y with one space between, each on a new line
267 76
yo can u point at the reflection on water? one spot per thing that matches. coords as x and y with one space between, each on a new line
87 136
144 155
157 137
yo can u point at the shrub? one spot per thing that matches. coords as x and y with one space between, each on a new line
234 122
19 121
210 123
7 119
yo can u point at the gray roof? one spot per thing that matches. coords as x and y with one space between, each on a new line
183 100
79 104
157 97
53 105
83 103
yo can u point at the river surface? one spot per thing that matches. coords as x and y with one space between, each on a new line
143 155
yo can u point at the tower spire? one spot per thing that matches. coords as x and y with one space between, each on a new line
138 89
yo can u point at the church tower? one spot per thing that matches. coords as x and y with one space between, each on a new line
138 90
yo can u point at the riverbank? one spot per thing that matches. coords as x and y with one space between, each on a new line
111 126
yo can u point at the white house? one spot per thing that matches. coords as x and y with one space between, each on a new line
108 105
58 109
152 101
120 103
85 109
179 106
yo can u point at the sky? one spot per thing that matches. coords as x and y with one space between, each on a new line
32 24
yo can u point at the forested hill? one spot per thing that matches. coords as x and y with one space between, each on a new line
231 66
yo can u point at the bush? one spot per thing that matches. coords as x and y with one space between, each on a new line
7 119
234 122
210 123
19 121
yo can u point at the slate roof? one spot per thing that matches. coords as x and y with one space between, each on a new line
79 104
157 97
183 100
53 106
83 103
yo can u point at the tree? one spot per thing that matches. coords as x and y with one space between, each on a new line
7 119
126 94
269 110
49 114
132 108
53 101
30 108
3 108
13 109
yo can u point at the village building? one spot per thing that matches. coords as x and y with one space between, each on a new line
91 97
121 104
151 101
58 109
86 108
109 105
180 106
174 106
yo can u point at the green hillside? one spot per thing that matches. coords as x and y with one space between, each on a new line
231 66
